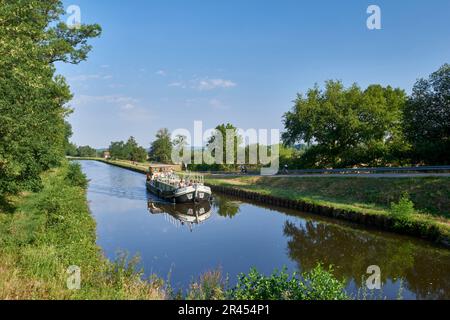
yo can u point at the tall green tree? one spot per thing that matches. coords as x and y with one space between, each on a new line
224 131
347 126
32 97
161 148
129 150
86 151
427 118
117 150
134 151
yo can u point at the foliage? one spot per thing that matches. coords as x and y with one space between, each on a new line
347 126
71 150
402 211
75 176
129 150
161 148
223 133
427 118
86 151
404 208
32 97
318 284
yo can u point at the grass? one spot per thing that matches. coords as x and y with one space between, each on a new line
51 230
429 195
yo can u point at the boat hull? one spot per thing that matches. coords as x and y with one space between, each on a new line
182 195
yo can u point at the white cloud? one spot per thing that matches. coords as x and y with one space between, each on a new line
161 73
211 84
205 84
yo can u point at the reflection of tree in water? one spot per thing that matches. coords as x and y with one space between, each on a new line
226 207
425 271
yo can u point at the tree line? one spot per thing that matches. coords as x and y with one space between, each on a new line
345 127
33 98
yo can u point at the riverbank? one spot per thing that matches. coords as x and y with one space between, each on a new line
360 200
43 234
357 199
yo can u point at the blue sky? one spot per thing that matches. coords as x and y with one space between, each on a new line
167 63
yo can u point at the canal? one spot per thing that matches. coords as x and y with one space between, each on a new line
178 243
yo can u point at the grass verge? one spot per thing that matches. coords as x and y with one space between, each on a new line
50 231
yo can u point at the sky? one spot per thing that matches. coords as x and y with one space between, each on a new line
168 63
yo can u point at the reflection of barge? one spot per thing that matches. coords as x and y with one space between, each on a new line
177 188
182 214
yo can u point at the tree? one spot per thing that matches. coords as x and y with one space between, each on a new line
71 150
223 131
427 118
116 150
129 150
134 152
346 127
87 152
161 148
32 98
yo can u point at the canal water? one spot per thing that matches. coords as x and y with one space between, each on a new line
179 243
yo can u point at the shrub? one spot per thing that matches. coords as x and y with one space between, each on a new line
317 284
209 287
404 208
75 176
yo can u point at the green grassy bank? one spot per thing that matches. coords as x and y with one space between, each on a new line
42 234
365 197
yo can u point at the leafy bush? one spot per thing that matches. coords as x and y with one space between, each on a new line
402 211
404 208
317 284
75 176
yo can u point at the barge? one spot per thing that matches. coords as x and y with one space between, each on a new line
177 188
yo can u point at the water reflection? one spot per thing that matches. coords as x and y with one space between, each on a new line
237 235
181 215
226 207
424 271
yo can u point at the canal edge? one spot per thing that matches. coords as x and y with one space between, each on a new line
415 229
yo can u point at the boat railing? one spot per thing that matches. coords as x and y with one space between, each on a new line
193 177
